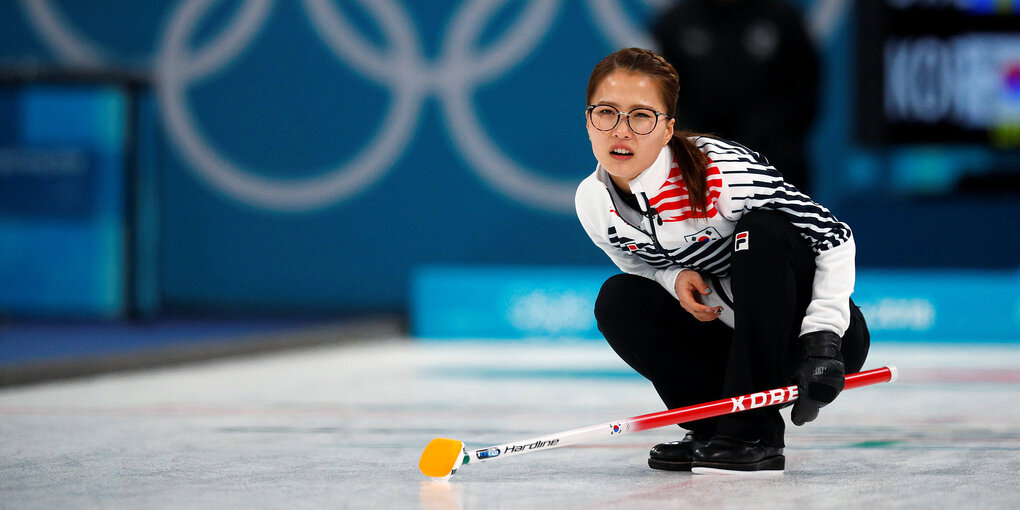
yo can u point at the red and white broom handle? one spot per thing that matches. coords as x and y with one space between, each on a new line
747 402
664 418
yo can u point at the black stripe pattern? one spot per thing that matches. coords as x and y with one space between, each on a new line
749 183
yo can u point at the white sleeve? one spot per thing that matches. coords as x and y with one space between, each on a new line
753 184
835 273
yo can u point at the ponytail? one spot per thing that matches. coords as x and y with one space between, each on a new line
692 163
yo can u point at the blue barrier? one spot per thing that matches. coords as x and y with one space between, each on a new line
505 302
449 302
62 200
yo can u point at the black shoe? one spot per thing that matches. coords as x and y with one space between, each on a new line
729 455
675 455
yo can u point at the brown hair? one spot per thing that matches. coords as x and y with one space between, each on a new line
691 160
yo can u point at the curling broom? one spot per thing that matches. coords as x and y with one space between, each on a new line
442 457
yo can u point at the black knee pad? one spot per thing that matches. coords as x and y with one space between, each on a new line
766 226
760 218
616 293
856 340
764 232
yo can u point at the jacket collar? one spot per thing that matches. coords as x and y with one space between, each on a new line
648 181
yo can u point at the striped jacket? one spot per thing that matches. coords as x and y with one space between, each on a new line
666 236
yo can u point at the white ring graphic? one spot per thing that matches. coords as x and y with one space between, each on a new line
333 185
400 67
62 38
74 48
401 64
618 27
463 71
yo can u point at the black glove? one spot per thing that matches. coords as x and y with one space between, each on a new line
819 376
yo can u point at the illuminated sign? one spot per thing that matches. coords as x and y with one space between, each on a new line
939 71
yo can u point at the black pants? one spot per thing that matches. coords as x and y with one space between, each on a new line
690 362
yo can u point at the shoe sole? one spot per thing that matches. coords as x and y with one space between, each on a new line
666 465
770 466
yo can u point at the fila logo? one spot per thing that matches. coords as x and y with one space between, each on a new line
762 399
742 242
632 247
705 234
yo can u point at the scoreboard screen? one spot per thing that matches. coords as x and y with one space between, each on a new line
938 71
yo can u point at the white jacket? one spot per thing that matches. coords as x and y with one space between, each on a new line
666 237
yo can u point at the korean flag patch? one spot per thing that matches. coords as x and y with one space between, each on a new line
705 234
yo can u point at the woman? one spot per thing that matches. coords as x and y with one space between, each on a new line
735 282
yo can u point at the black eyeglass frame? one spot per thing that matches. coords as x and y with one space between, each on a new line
628 114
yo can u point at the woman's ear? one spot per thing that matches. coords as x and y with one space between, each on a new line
669 131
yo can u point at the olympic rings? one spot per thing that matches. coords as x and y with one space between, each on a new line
400 67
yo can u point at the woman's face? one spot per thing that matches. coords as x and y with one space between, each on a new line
621 152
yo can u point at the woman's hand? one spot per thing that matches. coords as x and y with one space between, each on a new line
689 288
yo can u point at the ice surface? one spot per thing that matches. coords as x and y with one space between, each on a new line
343 426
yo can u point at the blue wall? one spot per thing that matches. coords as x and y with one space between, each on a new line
313 154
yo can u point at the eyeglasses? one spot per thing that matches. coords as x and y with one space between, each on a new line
641 120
